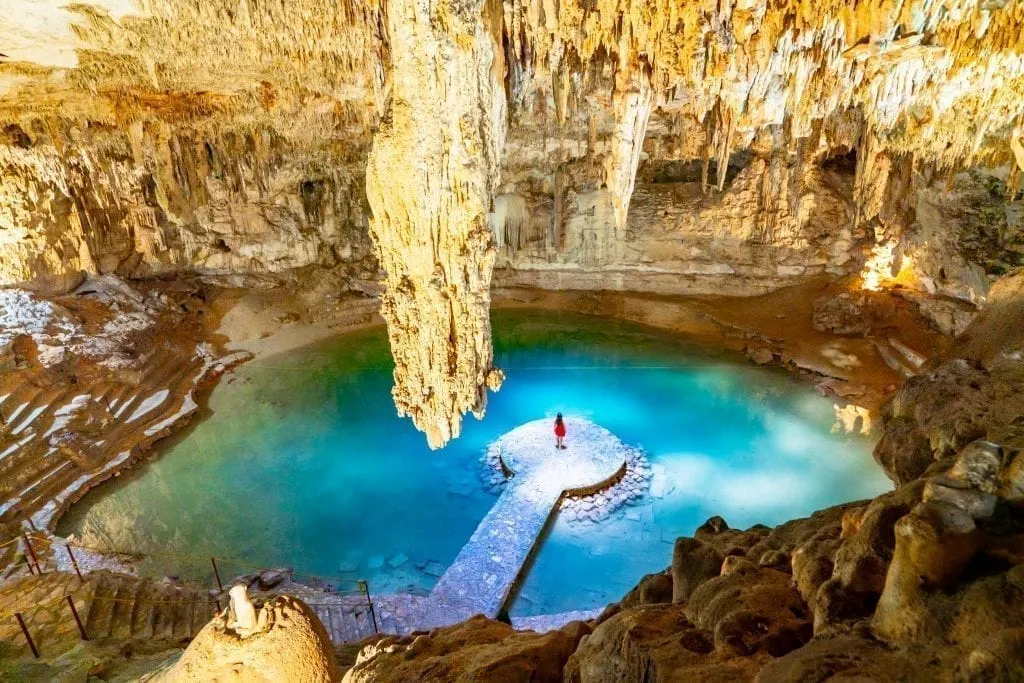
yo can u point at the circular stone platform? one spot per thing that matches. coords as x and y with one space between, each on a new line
594 458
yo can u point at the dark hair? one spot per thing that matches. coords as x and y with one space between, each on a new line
558 417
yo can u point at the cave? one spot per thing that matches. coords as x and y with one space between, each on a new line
574 341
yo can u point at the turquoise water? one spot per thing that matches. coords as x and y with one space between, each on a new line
303 463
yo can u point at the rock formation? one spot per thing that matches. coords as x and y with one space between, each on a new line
284 641
430 188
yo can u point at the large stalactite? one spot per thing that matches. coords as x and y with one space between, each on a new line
430 180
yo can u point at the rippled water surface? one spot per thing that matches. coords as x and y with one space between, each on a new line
303 463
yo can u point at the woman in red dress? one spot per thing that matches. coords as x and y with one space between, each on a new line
559 432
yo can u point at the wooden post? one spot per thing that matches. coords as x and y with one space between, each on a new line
28 636
216 574
32 553
78 620
365 588
74 562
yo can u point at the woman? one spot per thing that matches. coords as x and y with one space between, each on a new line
559 432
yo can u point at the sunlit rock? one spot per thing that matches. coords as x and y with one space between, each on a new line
430 180
283 641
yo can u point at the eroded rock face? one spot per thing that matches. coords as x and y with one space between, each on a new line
430 178
977 392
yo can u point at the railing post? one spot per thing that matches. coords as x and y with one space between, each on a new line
74 562
365 588
32 553
28 636
216 574
78 620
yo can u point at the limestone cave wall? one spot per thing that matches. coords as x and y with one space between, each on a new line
669 146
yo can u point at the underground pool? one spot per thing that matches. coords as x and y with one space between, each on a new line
301 462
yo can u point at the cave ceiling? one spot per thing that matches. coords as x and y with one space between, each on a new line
414 101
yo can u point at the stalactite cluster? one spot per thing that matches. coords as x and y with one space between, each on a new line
225 136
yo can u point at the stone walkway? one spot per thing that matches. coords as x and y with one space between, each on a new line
484 573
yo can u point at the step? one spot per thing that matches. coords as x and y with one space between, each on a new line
140 625
19 401
184 625
41 405
144 612
101 610
124 606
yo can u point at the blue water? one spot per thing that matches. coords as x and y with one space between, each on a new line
303 463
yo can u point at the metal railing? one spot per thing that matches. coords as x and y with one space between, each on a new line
32 545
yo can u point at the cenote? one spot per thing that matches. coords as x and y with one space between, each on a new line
302 462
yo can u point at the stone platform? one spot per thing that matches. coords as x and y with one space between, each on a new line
488 567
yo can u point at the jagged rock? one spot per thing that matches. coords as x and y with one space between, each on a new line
761 355
775 559
476 650
978 504
1011 485
978 465
903 451
653 643
845 656
943 410
714 525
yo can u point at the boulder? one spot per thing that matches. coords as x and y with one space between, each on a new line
693 563
933 545
655 643
751 610
977 504
978 465
271 578
652 590
479 650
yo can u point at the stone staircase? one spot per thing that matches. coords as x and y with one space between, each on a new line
347 621
113 607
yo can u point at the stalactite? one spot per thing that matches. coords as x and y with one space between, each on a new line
631 104
430 179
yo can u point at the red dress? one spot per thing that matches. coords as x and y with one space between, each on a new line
559 429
